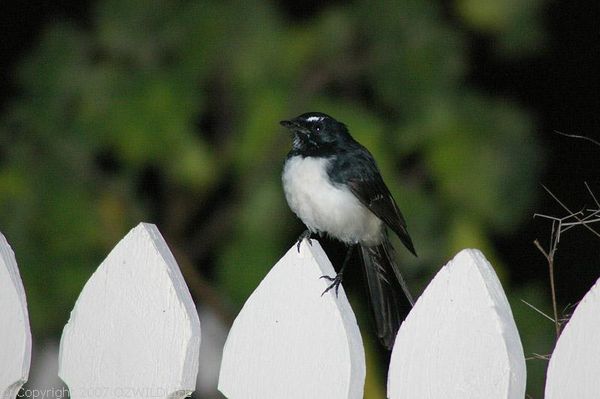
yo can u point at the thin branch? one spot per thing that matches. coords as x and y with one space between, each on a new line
568 210
539 246
537 310
539 215
586 220
576 136
537 356
549 255
592 194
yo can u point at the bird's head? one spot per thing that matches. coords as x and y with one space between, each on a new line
316 133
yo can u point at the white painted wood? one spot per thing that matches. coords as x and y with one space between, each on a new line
574 369
289 341
15 335
134 330
460 340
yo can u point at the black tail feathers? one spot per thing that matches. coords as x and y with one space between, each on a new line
389 295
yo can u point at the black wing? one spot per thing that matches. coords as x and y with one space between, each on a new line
359 171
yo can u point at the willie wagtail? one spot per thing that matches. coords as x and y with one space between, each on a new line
333 185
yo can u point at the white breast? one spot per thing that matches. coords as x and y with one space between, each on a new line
324 207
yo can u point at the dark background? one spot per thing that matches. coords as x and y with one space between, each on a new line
559 85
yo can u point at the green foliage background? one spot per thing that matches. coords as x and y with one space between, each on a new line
167 112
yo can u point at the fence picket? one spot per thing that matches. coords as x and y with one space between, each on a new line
460 340
574 368
15 335
134 330
290 342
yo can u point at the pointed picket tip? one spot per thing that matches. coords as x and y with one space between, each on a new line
15 334
134 330
574 367
460 339
289 341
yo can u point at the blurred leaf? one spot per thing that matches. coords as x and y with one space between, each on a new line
57 67
193 165
413 54
257 134
248 255
139 31
482 161
513 22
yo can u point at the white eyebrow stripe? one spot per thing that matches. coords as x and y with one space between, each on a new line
314 118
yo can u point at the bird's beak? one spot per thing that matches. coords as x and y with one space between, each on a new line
294 126
288 124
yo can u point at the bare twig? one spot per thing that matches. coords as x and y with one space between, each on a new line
537 356
549 255
576 136
537 310
570 212
588 220
560 225
592 194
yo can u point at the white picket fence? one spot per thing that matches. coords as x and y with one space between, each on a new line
134 333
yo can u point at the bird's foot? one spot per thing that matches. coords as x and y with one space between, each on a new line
305 234
335 283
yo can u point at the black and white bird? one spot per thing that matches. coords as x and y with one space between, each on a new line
332 183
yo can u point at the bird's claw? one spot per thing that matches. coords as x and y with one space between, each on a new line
335 283
305 235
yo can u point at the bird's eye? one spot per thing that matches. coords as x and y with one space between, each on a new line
318 127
